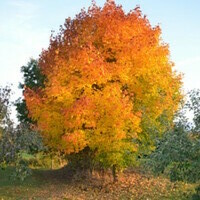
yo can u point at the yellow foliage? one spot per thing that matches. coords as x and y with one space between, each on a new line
105 71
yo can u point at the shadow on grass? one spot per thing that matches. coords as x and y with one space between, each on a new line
43 183
39 177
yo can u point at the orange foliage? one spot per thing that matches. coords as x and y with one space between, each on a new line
104 70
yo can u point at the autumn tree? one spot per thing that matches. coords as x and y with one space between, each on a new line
109 86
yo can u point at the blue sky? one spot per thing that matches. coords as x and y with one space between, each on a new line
25 28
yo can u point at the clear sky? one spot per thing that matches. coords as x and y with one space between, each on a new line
25 28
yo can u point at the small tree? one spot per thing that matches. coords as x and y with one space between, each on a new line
4 117
15 142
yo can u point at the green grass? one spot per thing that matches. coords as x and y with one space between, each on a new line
16 189
57 184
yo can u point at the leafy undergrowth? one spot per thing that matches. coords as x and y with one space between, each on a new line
62 184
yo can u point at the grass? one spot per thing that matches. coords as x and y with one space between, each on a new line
59 184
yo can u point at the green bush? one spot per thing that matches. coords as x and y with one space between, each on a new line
177 154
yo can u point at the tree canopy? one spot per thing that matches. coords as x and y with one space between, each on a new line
109 78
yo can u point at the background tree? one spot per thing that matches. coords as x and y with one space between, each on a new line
16 142
4 103
108 76
33 79
178 153
194 106
4 108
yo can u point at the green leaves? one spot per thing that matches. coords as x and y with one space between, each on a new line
34 79
177 154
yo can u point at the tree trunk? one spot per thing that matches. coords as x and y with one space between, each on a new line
51 162
114 173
